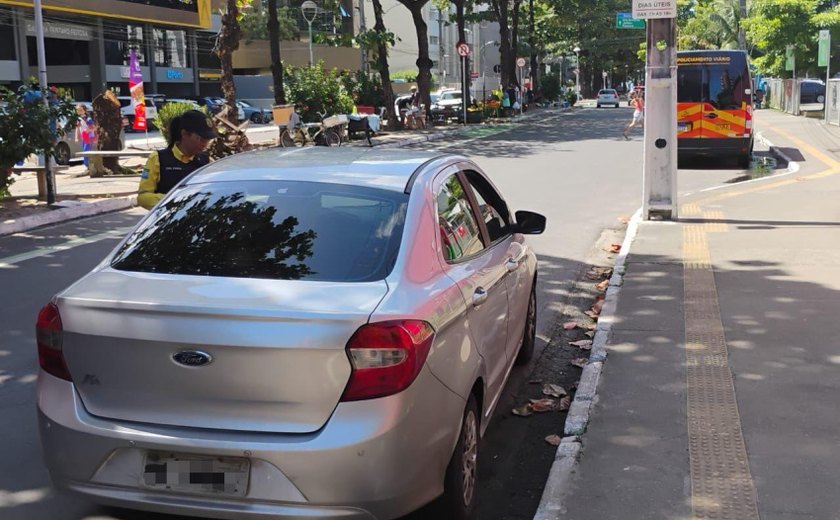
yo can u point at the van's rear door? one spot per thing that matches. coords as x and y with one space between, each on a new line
727 107
689 100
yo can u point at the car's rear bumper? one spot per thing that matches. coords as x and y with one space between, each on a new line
716 146
372 460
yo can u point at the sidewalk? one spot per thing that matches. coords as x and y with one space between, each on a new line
80 196
718 398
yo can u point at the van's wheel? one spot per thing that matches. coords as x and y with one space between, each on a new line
529 337
744 161
62 154
459 487
256 118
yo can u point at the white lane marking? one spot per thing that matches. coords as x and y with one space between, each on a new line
10 261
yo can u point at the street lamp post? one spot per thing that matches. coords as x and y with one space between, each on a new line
577 70
309 9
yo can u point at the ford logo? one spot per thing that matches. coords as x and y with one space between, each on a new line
192 358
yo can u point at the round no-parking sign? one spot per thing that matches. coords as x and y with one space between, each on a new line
520 62
463 50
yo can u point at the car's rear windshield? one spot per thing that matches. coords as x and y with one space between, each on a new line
279 230
607 92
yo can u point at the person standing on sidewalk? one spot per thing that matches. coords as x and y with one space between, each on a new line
637 101
85 130
189 135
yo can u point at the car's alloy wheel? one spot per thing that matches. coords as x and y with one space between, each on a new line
62 154
458 501
529 337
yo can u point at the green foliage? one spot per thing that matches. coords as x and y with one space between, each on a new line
571 97
370 40
333 40
550 86
410 76
774 24
315 90
713 24
29 127
255 25
170 111
364 89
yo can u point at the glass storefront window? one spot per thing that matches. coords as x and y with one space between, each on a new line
120 40
7 38
171 48
60 52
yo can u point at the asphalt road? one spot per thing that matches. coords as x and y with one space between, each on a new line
576 168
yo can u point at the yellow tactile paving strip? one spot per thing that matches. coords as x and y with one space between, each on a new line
721 484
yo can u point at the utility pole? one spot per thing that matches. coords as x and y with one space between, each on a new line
660 160
42 79
363 28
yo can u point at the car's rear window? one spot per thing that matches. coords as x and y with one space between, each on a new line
270 229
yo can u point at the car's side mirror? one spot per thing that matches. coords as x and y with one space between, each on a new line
529 223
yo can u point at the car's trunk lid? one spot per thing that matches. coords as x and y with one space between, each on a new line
277 348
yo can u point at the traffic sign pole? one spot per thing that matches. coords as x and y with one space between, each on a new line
464 51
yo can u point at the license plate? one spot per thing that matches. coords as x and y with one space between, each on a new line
196 474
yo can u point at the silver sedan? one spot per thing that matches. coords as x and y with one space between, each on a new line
312 333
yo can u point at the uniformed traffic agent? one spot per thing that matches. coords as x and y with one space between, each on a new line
189 135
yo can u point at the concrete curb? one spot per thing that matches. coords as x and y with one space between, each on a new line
551 505
793 166
68 210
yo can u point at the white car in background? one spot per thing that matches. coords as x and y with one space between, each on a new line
607 96
127 110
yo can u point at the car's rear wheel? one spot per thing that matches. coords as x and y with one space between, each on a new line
529 337
459 491
62 154
256 118
598 105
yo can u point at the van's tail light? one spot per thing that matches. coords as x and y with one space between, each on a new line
386 357
48 334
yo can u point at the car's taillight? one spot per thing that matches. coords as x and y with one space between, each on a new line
48 334
386 357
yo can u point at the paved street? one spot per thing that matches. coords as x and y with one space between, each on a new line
575 168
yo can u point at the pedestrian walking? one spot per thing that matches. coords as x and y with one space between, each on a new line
637 101
189 135
85 130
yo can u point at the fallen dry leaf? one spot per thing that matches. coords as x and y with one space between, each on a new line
585 344
553 390
590 334
554 440
579 362
565 403
523 411
569 325
624 219
603 285
593 315
597 306
614 248
591 327
543 405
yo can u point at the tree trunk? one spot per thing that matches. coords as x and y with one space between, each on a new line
535 67
505 56
424 64
108 117
382 66
227 42
514 40
462 38
274 48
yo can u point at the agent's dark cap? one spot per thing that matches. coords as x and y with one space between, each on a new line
194 121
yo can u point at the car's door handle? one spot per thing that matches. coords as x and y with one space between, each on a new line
479 296
511 265
711 116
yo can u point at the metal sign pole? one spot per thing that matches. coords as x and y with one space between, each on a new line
42 79
464 94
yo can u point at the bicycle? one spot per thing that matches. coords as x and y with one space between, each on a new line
327 133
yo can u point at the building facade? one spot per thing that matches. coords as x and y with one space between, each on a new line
87 44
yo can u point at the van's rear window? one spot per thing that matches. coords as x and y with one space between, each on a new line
270 229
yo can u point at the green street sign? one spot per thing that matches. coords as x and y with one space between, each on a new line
824 52
626 21
790 59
